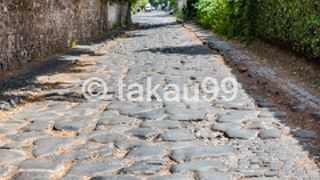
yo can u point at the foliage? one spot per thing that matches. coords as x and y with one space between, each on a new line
156 3
190 11
294 23
229 17
138 5
173 3
73 42
180 15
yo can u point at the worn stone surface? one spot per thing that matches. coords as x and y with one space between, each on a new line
177 135
316 115
7 155
202 165
171 177
71 138
147 152
241 133
91 167
302 133
143 132
2 171
32 175
187 154
214 176
270 133
118 177
40 164
164 124
144 167
107 138
71 125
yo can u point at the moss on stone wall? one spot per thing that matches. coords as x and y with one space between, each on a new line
30 29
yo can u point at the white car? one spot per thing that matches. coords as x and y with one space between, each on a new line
148 8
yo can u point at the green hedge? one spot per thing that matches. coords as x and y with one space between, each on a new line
296 23
291 23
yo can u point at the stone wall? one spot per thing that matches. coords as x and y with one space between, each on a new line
30 29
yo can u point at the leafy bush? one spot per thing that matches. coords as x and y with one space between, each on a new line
228 17
173 3
180 15
138 5
293 23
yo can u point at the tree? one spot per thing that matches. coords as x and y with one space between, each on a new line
138 5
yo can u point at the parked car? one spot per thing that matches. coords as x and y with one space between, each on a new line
148 8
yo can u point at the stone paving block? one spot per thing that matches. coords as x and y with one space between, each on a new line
257 125
34 175
143 132
117 177
28 136
144 167
163 124
125 144
213 176
106 152
83 111
198 165
236 117
156 114
177 135
147 152
72 125
184 144
280 114
108 138
50 145
40 164
91 167
241 133
109 114
225 125
305 134
3 171
116 120
71 156
171 177
188 154
127 108
37 126
118 128
189 115
8 156
270 133
90 146
70 177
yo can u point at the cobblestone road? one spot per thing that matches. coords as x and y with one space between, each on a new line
61 135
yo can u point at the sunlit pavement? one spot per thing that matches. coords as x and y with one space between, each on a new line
62 135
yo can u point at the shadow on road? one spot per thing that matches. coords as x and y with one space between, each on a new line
137 26
25 77
187 50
